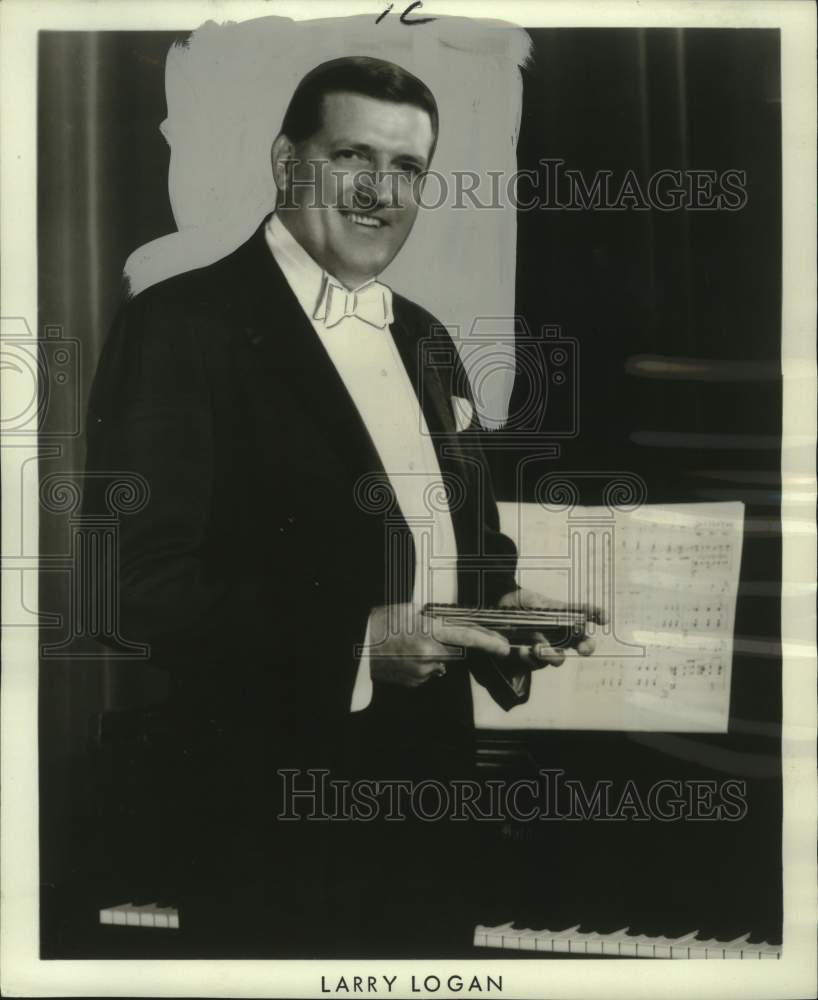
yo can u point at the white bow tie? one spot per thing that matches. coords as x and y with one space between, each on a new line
372 303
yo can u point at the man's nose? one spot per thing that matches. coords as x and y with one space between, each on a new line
374 189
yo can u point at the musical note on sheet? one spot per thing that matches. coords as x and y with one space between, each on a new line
668 577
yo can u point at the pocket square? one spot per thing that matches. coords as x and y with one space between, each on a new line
463 412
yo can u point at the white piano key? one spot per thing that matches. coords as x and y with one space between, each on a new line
106 916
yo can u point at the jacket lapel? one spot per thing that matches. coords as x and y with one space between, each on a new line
417 352
419 355
277 327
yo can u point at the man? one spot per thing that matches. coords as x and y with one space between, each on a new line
291 431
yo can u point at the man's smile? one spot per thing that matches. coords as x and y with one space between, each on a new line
358 219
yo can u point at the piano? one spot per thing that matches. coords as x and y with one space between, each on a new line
662 880
147 915
570 941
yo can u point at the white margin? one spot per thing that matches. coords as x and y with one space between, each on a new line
23 974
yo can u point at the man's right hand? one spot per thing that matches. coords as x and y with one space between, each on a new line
408 648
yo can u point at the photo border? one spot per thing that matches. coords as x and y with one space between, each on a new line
794 975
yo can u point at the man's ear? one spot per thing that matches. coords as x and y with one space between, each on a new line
281 156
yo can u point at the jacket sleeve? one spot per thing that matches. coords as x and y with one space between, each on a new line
152 413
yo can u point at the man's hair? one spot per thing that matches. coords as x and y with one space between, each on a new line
376 78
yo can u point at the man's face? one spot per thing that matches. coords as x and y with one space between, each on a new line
356 182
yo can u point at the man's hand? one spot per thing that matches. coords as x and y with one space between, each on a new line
407 648
540 653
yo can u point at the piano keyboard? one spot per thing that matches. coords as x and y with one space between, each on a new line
619 943
149 915
570 941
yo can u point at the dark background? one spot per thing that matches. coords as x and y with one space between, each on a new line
694 285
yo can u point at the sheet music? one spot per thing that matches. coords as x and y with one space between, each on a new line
668 576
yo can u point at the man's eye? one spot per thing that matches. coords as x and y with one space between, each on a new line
349 154
410 168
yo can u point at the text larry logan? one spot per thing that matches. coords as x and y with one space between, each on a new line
411 984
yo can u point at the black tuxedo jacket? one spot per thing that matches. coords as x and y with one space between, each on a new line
270 532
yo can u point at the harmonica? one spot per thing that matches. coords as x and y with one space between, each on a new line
560 628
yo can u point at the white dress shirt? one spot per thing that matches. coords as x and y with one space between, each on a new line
370 367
